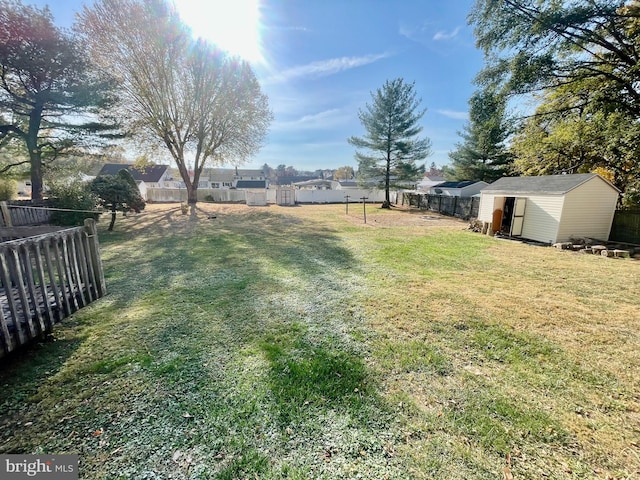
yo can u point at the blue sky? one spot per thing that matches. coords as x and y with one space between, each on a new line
321 59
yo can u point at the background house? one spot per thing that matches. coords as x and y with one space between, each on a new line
429 181
550 209
236 178
151 176
154 176
317 184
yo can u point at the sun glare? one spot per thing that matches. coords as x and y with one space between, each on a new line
233 25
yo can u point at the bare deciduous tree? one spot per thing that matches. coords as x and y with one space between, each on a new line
186 95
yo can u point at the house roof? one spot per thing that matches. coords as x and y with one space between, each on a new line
348 183
251 184
217 173
314 182
151 173
466 183
290 179
546 184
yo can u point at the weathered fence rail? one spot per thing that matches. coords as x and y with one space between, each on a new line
462 207
46 278
21 214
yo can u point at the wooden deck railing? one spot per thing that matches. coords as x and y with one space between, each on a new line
46 278
18 215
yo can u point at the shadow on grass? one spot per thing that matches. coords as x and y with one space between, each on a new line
22 374
301 375
165 258
166 359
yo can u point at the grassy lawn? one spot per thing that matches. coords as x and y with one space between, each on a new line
295 343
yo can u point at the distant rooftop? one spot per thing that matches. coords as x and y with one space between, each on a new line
152 173
466 183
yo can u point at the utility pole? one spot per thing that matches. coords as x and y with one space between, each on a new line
347 197
364 208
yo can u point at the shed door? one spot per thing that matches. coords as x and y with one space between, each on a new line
518 217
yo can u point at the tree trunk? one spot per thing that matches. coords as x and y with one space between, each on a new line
113 217
192 194
36 174
387 200
35 159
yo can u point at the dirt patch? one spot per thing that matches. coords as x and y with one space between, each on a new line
404 217
161 216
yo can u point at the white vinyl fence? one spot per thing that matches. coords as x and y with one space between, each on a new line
180 195
254 197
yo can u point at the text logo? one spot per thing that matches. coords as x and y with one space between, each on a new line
50 467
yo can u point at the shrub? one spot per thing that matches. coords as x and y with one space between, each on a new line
117 193
8 189
72 196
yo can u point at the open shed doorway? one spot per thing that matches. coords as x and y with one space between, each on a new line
513 216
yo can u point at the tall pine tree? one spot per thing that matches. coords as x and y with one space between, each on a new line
482 155
391 145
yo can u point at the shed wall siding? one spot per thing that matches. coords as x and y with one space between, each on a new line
542 217
485 211
588 211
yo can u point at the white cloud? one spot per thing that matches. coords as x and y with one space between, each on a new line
415 33
326 119
443 35
323 68
456 115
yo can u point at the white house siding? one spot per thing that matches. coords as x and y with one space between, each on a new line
142 188
588 211
542 217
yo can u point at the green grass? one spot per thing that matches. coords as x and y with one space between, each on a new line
297 343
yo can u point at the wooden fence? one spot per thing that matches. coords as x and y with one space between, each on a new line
626 227
461 207
46 278
18 214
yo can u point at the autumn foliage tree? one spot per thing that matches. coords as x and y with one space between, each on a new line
50 97
343 173
579 62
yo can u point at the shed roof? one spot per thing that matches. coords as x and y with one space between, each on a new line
466 183
151 173
545 184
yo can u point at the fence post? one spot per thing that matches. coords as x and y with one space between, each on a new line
92 233
5 214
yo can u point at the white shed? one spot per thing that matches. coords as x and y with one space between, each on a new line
550 209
